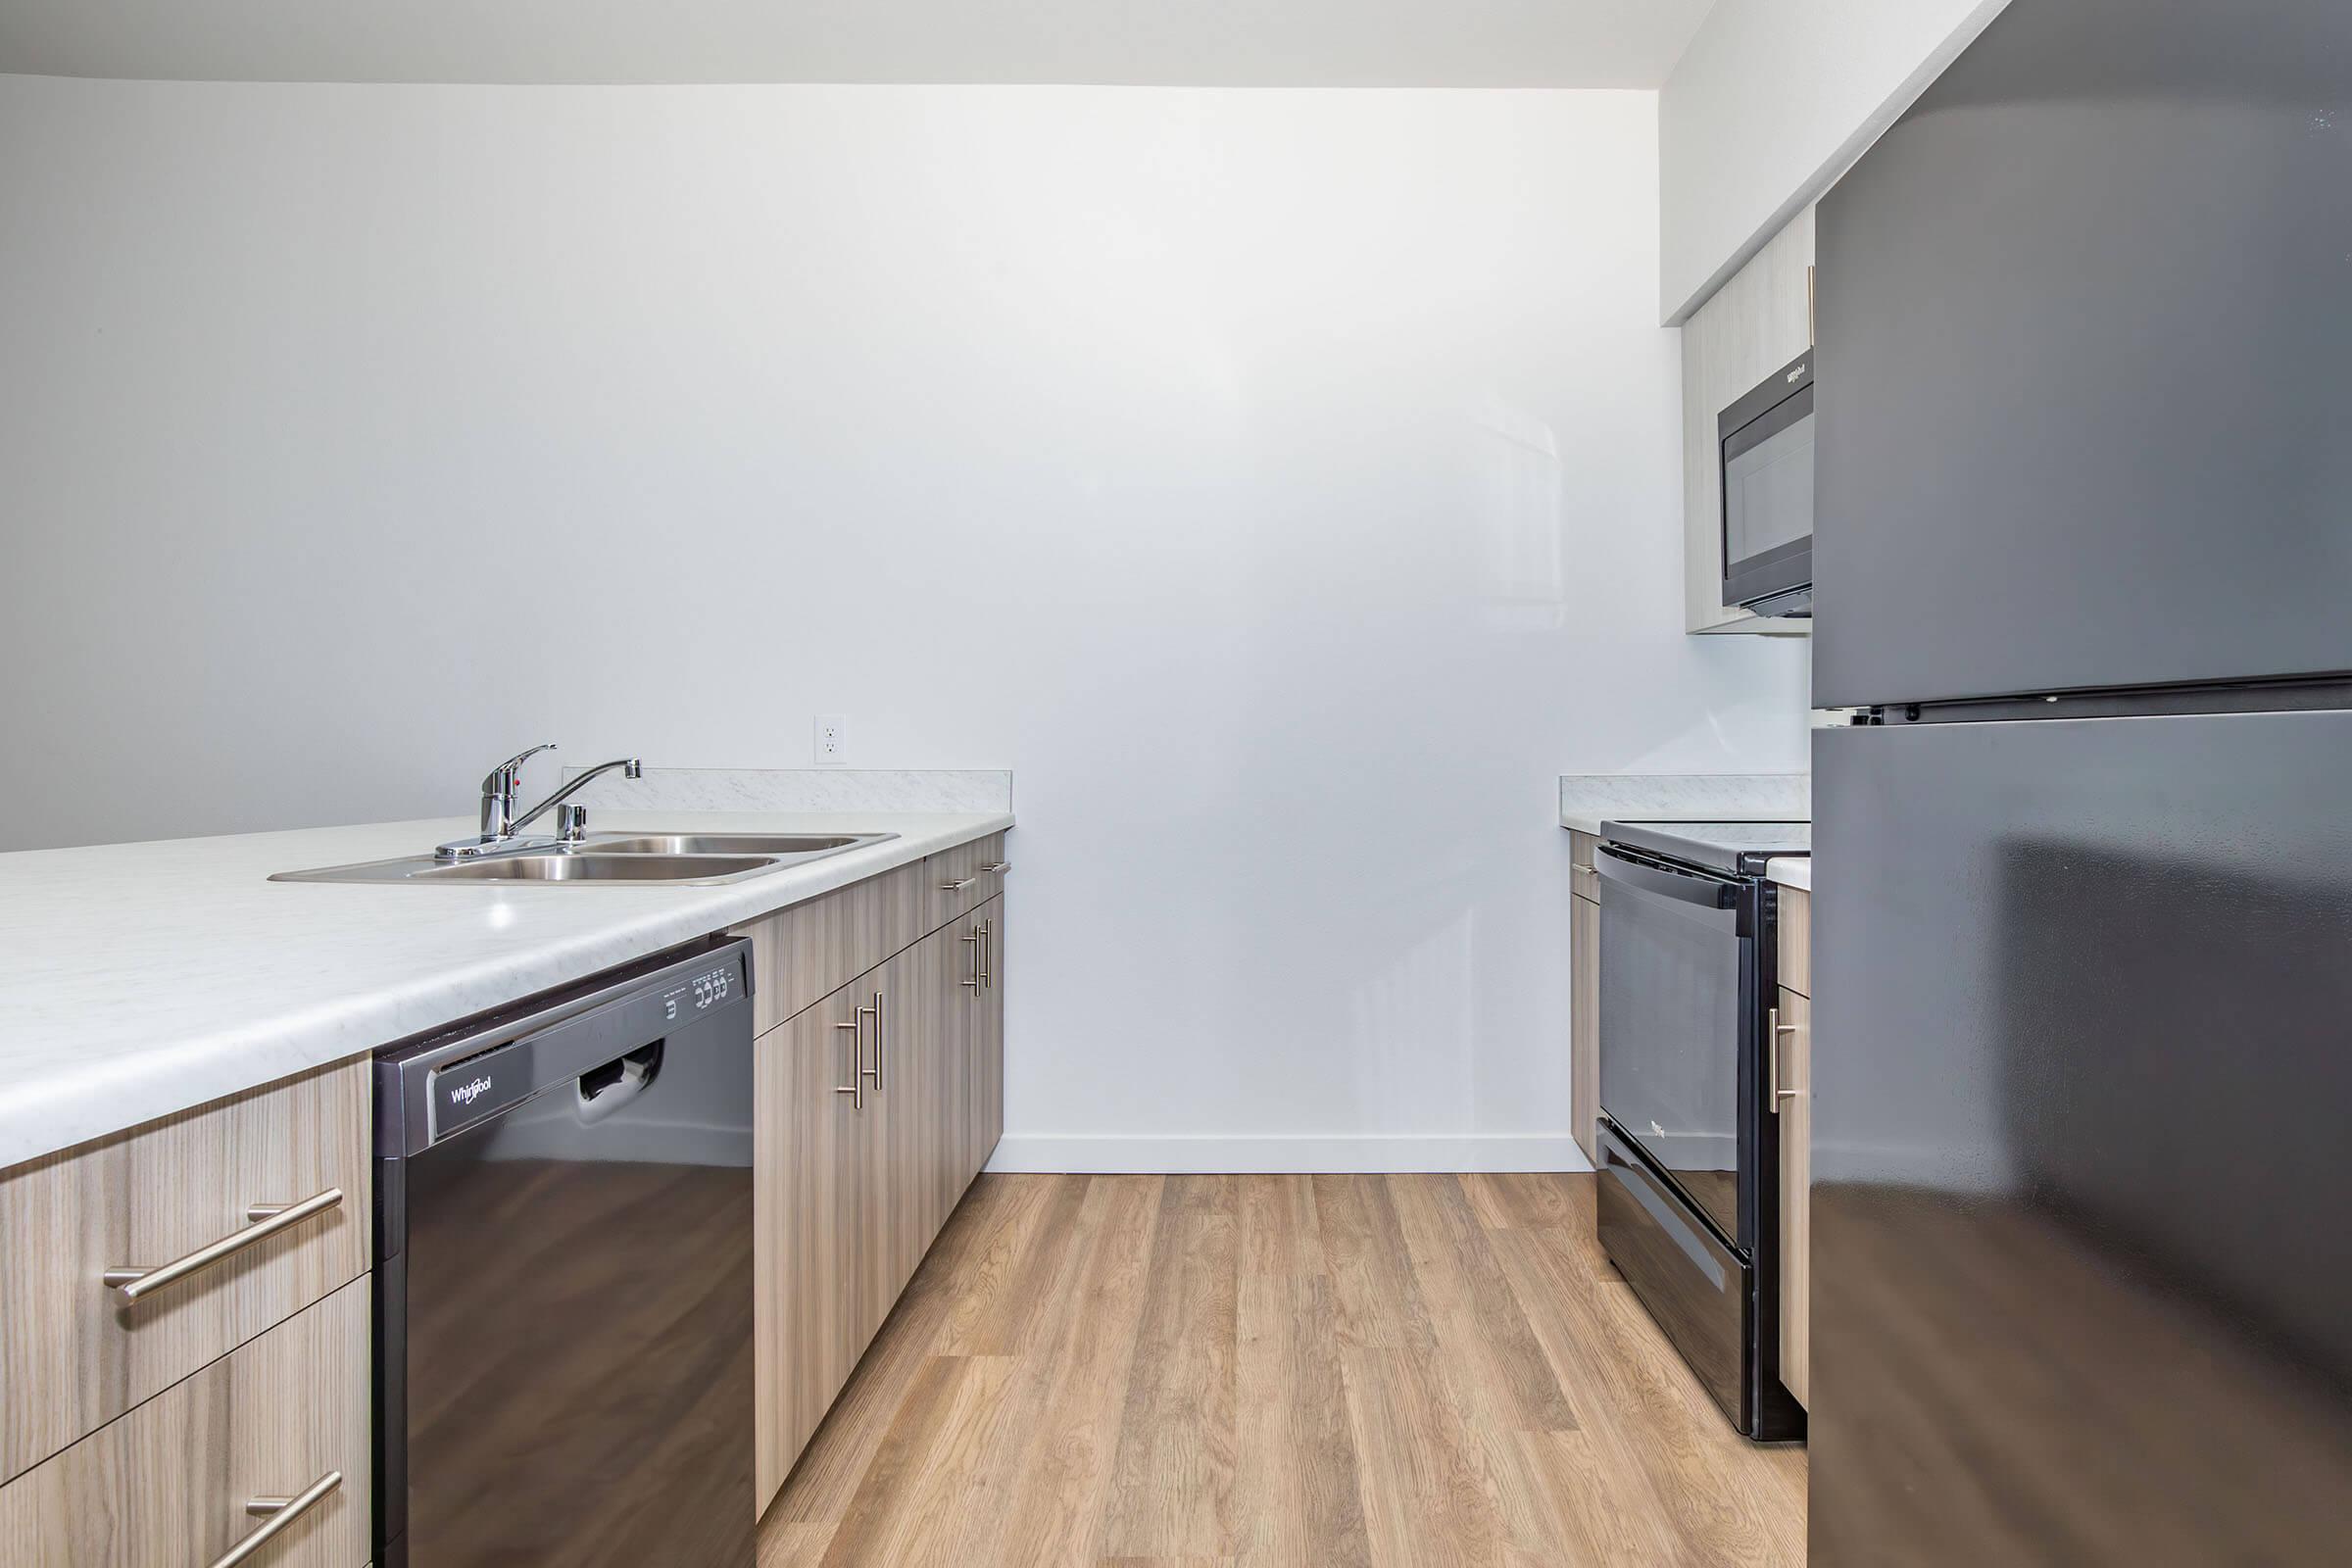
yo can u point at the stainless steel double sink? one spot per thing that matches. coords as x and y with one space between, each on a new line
687 860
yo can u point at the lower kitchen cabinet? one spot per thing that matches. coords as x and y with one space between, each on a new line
811 1159
1584 993
1583 1023
947 1122
175 1482
74 1354
1793 1070
874 1110
1796 1069
987 1045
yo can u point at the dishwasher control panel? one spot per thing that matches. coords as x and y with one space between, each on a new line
471 1073
702 993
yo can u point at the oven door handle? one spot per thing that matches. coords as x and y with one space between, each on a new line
1681 886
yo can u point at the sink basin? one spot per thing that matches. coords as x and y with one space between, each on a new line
574 865
690 859
727 842
583 866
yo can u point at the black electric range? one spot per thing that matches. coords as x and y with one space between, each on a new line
1689 1204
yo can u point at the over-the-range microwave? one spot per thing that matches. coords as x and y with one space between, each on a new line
1766 465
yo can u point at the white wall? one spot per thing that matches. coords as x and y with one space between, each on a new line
1770 104
1282 484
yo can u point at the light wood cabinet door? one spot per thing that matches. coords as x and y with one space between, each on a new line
816 1282
168 1484
942 1093
1795 1042
985 1099
978 961
953 980
74 1354
919 1085
1583 1023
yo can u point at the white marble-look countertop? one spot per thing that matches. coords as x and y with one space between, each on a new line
1791 870
138 980
1588 799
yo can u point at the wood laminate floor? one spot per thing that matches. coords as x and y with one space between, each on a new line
1319 1371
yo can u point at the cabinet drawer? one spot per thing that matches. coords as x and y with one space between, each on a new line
168 1484
804 953
963 878
1585 882
75 1353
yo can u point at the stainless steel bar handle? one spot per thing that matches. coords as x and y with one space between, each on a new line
1000 867
1778 1030
959 885
972 941
875 1071
855 1087
268 1219
988 954
278 1512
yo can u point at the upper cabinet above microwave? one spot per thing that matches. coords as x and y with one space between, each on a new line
1756 325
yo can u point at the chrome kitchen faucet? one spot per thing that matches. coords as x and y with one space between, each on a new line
502 826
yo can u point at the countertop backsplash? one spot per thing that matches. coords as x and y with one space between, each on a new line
803 789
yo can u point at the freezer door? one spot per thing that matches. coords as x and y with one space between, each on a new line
2084 316
2082 1070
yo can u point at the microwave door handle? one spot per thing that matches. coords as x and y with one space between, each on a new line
1658 882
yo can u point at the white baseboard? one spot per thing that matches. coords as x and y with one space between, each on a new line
1098 1154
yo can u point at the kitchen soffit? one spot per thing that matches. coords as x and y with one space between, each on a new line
1292 43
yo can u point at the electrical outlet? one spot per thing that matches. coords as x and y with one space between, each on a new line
832 739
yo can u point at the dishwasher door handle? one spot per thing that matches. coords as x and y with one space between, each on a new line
602 1091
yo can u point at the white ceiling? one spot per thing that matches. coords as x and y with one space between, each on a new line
1239 43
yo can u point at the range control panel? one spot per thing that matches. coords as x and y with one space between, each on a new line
703 991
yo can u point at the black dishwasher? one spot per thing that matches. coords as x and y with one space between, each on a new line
563 1277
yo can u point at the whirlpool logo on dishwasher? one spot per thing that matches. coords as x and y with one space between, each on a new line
467 1093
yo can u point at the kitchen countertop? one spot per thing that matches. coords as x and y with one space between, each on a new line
138 980
1791 871
1588 799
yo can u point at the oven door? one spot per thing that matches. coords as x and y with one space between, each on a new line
1677 977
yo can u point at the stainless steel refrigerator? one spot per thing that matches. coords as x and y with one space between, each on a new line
2083 1004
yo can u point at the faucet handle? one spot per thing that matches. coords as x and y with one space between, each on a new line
503 778
498 794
